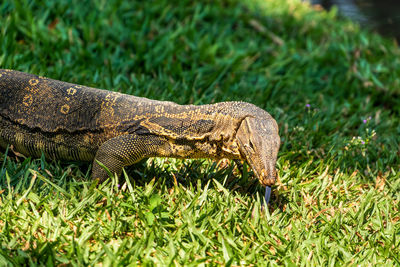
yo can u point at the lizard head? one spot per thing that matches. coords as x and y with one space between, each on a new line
259 141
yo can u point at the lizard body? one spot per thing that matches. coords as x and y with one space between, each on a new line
73 122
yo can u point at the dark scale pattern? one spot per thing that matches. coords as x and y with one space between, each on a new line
68 121
50 105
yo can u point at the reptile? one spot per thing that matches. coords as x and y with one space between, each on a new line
73 122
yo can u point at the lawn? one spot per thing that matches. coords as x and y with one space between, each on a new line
333 88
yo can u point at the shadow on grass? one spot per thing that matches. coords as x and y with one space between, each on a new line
39 256
188 173
196 172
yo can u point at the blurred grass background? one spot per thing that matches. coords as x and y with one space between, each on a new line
332 87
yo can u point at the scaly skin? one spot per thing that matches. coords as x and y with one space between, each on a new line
73 122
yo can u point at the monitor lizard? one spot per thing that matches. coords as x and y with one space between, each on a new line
73 122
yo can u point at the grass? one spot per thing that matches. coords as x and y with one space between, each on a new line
332 87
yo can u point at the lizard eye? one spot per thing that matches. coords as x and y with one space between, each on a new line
250 147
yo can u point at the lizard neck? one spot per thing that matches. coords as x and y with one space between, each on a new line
207 131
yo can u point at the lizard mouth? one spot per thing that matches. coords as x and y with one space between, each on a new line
264 177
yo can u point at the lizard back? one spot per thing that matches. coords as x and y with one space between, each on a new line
49 105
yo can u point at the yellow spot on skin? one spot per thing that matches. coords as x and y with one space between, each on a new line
78 86
86 139
67 98
64 109
33 82
71 91
107 110
1 75
32 90
27 101
59 138
110 98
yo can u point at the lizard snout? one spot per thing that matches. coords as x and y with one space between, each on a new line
267 178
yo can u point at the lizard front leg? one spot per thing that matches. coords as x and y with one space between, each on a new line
125 150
